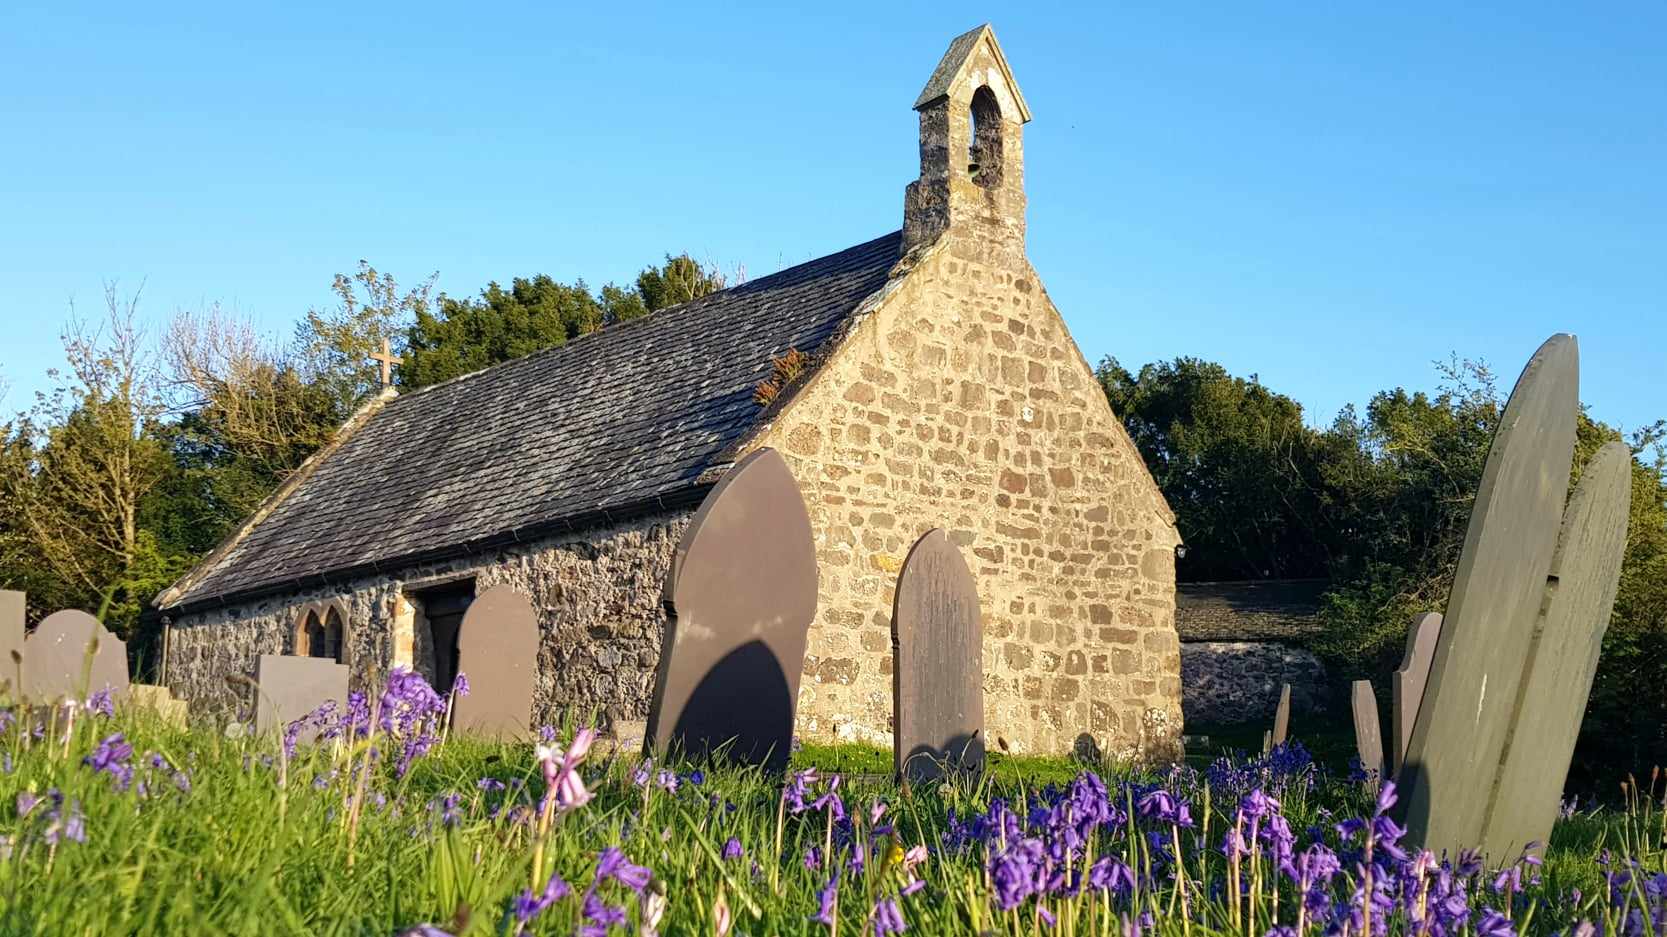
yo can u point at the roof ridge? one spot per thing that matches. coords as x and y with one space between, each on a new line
657 315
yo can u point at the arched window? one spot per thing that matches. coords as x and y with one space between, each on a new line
984 145
321 633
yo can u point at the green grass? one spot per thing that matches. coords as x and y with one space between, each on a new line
263 845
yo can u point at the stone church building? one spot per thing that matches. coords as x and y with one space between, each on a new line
943 390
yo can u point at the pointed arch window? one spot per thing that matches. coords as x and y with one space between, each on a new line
321 633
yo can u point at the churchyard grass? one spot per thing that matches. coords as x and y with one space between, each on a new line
117 823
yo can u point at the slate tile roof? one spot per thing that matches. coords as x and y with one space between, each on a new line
612 423
1284 610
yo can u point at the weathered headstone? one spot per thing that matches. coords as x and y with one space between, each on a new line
1406 685
1282 716
938 676
1585 575
161 701
287 688
1368 735
1470 701
56 662
740 597
12 608
497 651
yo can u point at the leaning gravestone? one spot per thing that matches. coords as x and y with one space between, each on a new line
1406 685
160 700
288 688
497 650
1368 735
937 681
740 597
69 654
1282 716
12 608
1471 700
1585 575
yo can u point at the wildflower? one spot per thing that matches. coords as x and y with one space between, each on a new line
888 918
527 905
424 930
644 772
489 785
732 849
460 686
100 703
826 897
613 864
1494 924
720 914
111 757
667 780
651 907
561 775
697 777
599 916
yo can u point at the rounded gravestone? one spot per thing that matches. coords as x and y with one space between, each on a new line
497 651
739 598
937 680
1470 701
69 654
1585 576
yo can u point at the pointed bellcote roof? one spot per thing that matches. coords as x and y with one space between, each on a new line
964 65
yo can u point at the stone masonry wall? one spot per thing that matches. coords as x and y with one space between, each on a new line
598 603
961 402
1238 681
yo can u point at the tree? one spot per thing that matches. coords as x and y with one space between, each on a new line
247 419
536 313
1235 462
333 346
78 467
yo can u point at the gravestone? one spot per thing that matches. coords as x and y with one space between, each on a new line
12 608
938 677
56 663
1282 716
1585 575
288 688
497 651
1368 734
740 597
1471 698
160 700
1406 685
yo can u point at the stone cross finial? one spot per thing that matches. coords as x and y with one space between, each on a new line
387 359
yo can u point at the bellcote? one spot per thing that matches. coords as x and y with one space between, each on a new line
972 118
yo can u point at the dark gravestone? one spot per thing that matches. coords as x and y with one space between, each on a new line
1470 701
497 651
1282 717
1368 734
937 682
739 598
56 662
1581 594
287 688
1406 685
12 607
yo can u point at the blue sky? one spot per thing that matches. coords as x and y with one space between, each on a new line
1329 198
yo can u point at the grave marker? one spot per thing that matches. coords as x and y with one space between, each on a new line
1406 685
497 651
1585 575
12 608
1282 717
287 688
160 700
937 680
56 665
740 597
1470 701
1368 734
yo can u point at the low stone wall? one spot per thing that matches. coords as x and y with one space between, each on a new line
597 596
1238 681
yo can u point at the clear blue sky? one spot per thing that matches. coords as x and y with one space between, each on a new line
1331 199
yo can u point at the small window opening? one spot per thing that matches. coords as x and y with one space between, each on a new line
322 635
984 147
